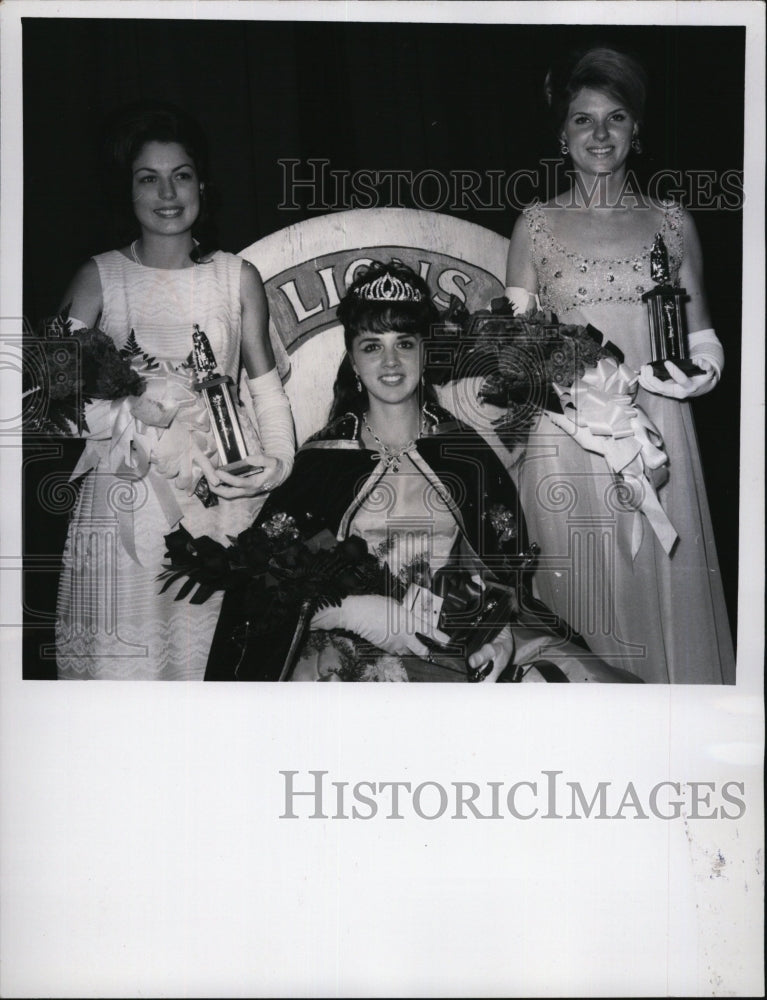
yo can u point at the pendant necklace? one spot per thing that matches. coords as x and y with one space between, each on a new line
388 455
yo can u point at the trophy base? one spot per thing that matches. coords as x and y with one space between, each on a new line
686 365
203 493
241 468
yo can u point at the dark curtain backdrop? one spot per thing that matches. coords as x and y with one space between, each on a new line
364 97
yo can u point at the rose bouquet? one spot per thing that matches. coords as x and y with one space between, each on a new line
283 579
65 369
524 360
535 368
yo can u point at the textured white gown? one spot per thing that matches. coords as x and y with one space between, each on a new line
112 621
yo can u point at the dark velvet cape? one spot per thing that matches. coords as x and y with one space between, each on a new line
330 470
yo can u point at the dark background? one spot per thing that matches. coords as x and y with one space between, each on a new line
364 96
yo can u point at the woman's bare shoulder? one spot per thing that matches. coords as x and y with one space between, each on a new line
84 296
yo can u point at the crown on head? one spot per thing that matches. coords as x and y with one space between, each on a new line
388 288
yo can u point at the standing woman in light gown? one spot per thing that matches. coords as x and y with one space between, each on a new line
585 255
145 455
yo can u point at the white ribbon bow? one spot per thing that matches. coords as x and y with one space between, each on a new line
601 414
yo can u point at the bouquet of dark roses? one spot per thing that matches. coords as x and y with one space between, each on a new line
66 368
278 567
524 360
533 366
283 578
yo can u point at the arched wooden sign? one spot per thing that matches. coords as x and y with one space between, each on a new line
308 266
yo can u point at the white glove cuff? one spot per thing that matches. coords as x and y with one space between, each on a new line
274 421
327 618
521 299
705 344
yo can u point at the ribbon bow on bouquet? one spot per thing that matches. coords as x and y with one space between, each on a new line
153 437
600 413
178 443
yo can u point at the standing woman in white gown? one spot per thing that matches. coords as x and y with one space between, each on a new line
585 254
144 456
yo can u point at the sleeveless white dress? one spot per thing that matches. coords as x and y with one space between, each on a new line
112 621
662 617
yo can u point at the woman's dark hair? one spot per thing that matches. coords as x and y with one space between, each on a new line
359 314
615 73
128 131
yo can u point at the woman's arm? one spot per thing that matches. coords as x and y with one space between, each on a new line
257 354
704 346
691 277
272 409
521 279
83 296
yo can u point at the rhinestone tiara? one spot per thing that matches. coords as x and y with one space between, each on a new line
388 288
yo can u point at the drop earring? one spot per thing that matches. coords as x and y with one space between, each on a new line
564 149
359 383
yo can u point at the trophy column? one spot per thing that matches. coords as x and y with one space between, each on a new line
224 421
665 316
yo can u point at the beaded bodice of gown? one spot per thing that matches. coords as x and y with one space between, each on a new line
605 291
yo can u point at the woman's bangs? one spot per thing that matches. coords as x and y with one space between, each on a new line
391 318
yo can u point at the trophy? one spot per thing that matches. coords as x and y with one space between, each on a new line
666 318
227 433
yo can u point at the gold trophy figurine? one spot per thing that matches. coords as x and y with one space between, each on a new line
216 391
666 317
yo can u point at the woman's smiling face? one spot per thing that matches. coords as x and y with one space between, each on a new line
389 364
165 189
598 130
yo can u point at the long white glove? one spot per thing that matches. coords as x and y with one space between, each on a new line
269 409
704 345
382 622
705 349
274 422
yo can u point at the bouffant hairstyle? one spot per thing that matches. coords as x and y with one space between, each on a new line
612 72
128 131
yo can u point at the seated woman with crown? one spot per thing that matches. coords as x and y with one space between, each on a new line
434 505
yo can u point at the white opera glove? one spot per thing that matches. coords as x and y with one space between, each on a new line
704 345
705 349
680 386
274 421
382 622
494 655
522 300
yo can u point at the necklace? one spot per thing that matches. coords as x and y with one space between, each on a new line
391 456
137 259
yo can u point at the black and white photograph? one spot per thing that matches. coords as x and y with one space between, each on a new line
382 343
